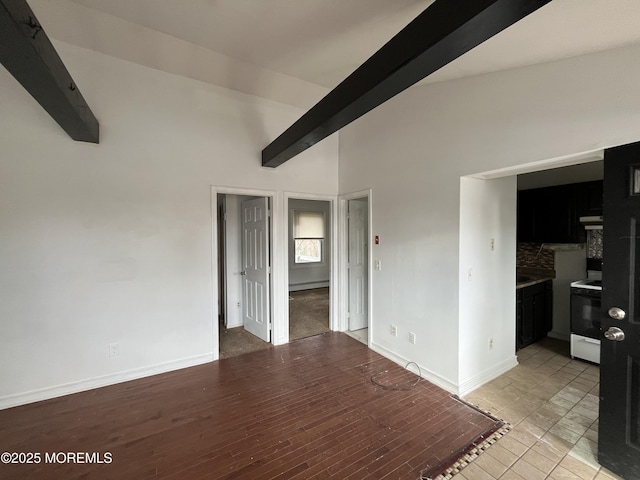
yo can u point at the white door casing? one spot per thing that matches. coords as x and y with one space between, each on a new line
255 267
358 254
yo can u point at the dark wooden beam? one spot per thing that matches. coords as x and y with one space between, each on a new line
443 32
27 53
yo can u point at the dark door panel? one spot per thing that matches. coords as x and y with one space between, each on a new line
619 429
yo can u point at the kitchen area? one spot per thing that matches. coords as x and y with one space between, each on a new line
559 258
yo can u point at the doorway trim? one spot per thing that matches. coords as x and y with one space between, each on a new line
333 278
343 255
278 293
538 166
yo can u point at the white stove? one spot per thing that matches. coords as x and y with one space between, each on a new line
585 317
588 283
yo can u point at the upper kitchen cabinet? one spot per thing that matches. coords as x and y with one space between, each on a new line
551 214
526 215
590 199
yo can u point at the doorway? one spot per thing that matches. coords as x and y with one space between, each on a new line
244 259
616 450
310 259
552 242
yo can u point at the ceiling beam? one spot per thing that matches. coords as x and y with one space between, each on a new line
27 53
443 32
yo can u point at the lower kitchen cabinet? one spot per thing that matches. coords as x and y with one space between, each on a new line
534 313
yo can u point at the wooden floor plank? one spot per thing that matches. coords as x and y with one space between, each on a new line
298 411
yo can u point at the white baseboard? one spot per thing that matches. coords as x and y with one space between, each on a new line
425 372
487 375
103 381
308 286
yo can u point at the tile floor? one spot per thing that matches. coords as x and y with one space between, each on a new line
552 403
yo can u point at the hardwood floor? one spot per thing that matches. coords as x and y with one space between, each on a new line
299 411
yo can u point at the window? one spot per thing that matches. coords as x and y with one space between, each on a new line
308 237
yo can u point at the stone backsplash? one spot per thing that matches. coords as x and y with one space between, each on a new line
594 244
532 255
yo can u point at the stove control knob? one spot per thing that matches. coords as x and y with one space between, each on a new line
615 334
617 313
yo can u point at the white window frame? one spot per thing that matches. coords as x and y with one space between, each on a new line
292 239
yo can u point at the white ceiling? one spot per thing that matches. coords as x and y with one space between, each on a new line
583 172
319 41
323 41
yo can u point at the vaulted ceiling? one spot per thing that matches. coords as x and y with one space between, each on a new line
315 44
295 51
322 41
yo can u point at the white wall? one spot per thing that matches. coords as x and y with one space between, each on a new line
412 152
305 276
487 289
233 262
113 242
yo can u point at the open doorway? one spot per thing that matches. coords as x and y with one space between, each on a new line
575 201
491 237
244 273
488 245
558 235
310 259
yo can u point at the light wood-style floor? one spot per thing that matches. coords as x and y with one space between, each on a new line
298 411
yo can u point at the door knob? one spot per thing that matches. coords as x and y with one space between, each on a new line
617 313
243 272
614 334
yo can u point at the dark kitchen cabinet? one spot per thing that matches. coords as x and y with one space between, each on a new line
556 211
552 214
526 226
534 313
590 199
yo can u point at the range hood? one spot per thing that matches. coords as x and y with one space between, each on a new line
592 222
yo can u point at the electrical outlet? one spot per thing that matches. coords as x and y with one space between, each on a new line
412 337
493 244
394 330
491 343
114 349
238 304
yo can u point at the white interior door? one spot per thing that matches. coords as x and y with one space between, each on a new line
358 263
255 267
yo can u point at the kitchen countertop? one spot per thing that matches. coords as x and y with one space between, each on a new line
529 277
